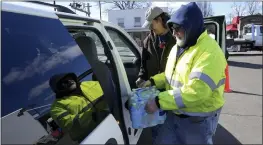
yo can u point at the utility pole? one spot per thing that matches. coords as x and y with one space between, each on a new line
82 7
54 5
205 9
88 11
100 9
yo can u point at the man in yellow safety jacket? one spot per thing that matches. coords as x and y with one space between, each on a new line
74 109
193 79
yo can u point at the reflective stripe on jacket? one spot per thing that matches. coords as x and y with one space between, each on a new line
74 113
195 87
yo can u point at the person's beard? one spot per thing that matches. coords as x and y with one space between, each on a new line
180 41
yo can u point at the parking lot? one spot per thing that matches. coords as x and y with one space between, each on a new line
241 118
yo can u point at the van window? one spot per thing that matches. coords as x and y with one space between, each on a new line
100 49
261 29
33 50
211 30
123 46
247 30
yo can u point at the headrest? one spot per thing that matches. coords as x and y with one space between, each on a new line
87 43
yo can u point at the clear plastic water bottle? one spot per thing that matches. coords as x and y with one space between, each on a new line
139 117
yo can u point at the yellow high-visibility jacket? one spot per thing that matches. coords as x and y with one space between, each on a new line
195 87
74 113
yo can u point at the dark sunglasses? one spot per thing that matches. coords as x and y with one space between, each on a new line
175 27
64 84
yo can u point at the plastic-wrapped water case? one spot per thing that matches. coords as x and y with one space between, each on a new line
139 117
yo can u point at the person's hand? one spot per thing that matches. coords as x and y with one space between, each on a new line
151 106
139 81
145 84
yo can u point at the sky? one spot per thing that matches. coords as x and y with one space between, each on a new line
219 8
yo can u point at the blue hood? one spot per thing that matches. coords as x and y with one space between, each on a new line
191 19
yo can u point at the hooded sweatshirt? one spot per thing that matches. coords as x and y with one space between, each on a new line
191 19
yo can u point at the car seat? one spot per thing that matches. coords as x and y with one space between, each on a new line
100 69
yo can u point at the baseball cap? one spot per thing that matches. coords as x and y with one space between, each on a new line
150 14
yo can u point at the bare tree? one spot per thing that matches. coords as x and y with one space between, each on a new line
230 16
170 11
206 8
252 7
238 9
123 5
148 4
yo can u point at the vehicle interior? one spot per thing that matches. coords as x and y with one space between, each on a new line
96 50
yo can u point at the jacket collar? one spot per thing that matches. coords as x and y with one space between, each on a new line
202 36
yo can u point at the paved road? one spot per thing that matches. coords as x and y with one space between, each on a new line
241 118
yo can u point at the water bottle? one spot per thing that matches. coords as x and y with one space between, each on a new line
137 117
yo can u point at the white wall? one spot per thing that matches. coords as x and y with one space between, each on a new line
128 16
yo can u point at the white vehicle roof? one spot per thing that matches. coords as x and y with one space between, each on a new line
250 25
23 8
43 11
48 12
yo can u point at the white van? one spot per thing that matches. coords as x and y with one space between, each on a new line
254 33
37 44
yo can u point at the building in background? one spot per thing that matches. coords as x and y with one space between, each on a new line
131 20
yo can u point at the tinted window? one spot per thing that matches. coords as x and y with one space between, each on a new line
34 49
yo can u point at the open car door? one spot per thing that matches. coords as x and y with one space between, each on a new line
216 28
117 51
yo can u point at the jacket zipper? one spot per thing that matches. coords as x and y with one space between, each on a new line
176 61
154 45
162 52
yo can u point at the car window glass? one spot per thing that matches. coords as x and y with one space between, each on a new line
31 54
100 49
123 46
211 30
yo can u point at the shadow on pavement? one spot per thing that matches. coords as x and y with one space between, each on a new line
245 65
223 136
239 92
245 54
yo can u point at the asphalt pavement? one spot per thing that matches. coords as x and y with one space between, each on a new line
241 118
